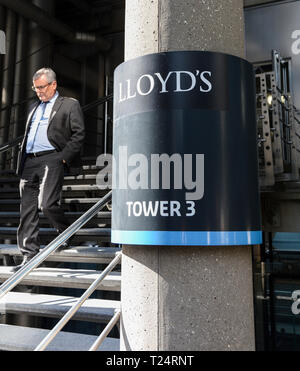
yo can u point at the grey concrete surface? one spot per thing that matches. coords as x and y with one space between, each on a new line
168 25
15 338
184 298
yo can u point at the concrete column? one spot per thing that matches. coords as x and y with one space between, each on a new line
183 298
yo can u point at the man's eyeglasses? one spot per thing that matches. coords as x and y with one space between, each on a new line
35 88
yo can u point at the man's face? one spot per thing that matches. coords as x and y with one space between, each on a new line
44 90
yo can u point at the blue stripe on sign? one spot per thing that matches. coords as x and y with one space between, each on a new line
176 238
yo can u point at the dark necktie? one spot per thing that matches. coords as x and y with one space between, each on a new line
34 127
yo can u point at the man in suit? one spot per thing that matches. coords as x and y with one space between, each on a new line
51 146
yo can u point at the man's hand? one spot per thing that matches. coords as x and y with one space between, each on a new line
64 161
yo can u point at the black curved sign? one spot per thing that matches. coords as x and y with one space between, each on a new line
185 153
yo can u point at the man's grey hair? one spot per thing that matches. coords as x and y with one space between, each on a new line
48 72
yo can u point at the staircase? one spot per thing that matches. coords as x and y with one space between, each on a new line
33 308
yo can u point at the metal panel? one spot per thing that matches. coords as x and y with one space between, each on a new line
275 126
266 168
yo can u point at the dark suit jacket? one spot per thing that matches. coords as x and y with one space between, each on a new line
65 132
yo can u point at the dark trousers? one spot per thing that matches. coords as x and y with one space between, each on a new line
40 189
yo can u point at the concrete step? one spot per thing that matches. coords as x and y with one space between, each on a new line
75 254
67 189
14 205
11 232
68 204
86 200
7 172
16 338
79 179
12 201
63 201
94 310
86 169
103 217
92 169
11 180
64 277
89 160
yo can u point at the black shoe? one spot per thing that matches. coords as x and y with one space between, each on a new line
26 259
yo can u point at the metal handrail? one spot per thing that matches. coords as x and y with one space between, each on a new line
106 331
17 277
11 144
18 103
97 102
65 319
